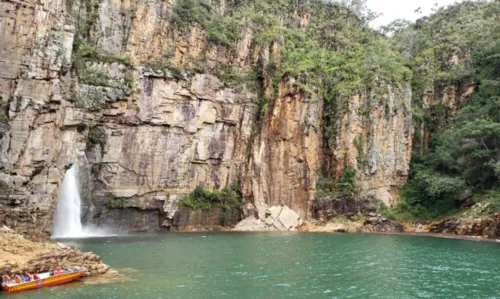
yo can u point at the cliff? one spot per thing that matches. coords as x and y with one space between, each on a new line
150 101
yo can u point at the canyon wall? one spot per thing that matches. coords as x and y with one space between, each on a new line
83 83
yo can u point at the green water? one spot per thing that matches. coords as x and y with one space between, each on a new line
275 265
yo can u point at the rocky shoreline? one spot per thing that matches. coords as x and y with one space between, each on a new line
18 254
282 218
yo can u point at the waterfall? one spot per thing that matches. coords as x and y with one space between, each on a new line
67 219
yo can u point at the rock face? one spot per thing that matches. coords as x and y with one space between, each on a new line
485 227
449 96
19 254
286 157
145 135
213 219
377 144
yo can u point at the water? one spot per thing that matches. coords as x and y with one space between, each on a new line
67 220
290 265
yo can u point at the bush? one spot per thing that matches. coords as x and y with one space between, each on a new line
225 32
96 136
325 187
427 196
5 191
4 108
341 189
345 185
93 77
186 12
84 51
205 199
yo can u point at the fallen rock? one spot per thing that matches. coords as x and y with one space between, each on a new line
252 224
283 218
18 254
278 218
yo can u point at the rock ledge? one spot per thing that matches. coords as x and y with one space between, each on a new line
18 254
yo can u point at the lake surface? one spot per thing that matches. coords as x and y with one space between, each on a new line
289 265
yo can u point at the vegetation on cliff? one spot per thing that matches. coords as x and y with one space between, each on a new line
325 48
455 48
205 199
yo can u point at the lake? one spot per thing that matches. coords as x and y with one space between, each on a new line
288 265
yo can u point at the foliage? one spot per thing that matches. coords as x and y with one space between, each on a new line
84 53
436 47
493 198
429 195
340 189
5 191
93 77
205 199
96 136
4 108
345 185
114 201
360 158
225 31
464 150
89 53
325 187
164 63
186 12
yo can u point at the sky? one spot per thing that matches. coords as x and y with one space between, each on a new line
402 9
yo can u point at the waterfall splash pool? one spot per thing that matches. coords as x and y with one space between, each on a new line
288 265
67 219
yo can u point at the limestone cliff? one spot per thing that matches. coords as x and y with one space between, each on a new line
146 109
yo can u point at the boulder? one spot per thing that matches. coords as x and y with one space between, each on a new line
278 218
252 224
283 218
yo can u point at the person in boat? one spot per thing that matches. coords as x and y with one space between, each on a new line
7 279
59 272
28 276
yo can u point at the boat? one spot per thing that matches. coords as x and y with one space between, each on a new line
44 280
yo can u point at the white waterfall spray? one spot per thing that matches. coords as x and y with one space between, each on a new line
67 220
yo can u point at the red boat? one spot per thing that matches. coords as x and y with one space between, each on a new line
43 280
